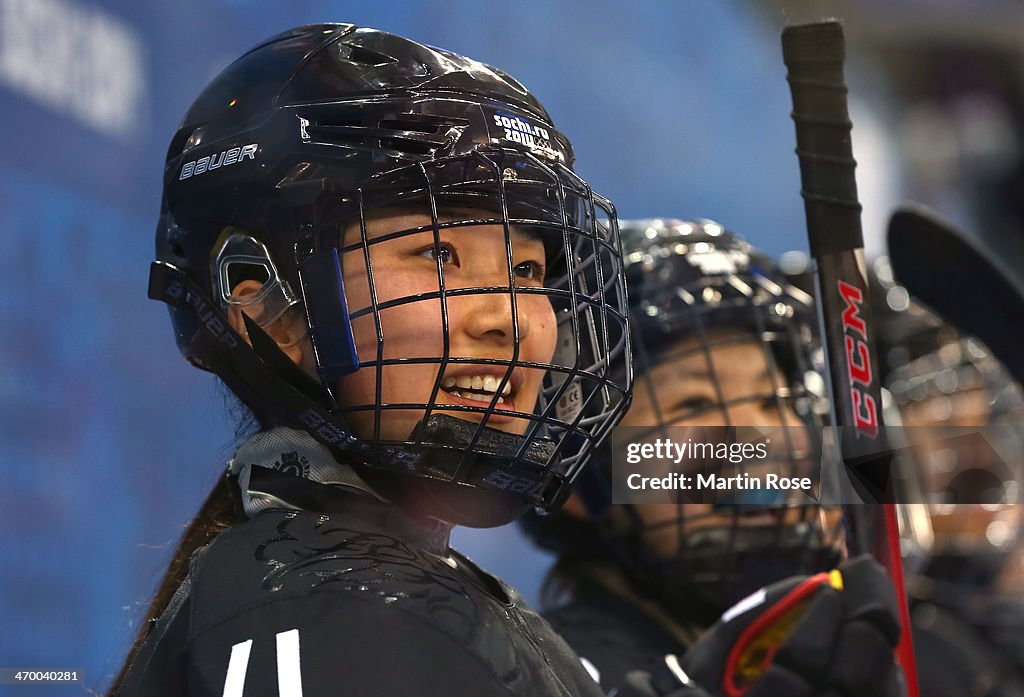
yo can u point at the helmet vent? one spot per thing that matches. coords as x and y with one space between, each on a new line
417 134
429 125
412 134
350 132
411 147
358 54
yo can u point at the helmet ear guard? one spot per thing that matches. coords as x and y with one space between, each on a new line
242 257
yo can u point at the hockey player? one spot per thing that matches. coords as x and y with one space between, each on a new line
720 339
963 415
382 250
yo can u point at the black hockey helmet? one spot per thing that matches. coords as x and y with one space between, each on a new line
274 174
690 277
696 289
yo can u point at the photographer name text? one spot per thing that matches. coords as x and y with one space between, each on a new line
695 482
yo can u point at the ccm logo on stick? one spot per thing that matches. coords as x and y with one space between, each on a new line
858 361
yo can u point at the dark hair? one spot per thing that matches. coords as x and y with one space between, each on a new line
562 581
221 510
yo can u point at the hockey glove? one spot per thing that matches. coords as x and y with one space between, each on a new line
830 634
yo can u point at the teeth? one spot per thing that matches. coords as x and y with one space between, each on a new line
478 396
477 383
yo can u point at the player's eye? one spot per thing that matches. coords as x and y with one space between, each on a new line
443 251
696 403
529 271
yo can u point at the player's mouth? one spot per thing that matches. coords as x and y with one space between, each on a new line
480 389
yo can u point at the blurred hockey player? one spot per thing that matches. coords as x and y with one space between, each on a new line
723 345
963 418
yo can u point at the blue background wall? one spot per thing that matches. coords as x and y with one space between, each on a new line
108 439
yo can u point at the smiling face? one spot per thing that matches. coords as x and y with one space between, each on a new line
734 382
695 392
462 352
707 556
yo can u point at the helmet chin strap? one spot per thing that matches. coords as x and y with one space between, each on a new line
465 476
466 442
293 402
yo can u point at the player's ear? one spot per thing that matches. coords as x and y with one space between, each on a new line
288 331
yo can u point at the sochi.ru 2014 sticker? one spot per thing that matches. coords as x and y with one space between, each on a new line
516 129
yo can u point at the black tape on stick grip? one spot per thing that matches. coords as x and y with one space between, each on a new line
814 55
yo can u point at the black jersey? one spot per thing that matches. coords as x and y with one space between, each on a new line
611 634
959 657
346 596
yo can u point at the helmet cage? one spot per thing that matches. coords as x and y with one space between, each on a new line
581 396
694 290
972 485
698 289
718 559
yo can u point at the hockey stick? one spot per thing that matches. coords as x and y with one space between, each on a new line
814 55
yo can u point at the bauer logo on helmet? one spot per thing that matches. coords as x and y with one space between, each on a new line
224 158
